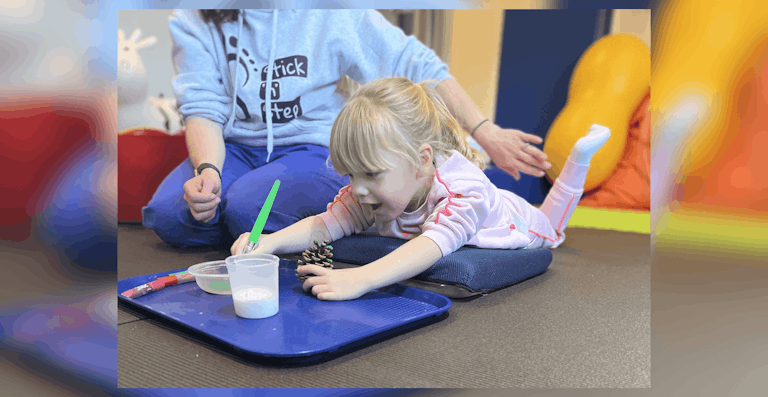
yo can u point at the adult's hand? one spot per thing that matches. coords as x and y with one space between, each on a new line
510 151
508 148
203 195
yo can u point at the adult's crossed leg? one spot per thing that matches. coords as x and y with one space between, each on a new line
307 185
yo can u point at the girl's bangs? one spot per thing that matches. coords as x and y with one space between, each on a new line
358 139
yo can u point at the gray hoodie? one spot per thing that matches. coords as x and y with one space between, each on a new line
301 55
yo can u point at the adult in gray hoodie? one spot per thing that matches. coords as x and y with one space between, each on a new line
234 65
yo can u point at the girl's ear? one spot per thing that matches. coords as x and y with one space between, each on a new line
425 155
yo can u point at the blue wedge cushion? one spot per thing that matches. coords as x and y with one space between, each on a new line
478 270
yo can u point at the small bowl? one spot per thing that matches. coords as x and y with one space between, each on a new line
212 277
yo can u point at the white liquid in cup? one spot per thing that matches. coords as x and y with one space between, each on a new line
253 280
255 302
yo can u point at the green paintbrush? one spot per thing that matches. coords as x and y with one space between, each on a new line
262 219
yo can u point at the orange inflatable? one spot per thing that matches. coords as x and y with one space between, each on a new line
610 79
738 179
629 187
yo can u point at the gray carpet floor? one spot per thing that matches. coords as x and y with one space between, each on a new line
584 323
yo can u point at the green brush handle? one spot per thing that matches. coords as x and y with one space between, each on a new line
262 219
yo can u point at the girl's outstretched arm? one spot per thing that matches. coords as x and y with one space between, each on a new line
409 260
294 238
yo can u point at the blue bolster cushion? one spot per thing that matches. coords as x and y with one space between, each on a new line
466 272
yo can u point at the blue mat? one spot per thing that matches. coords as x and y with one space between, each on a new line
466 272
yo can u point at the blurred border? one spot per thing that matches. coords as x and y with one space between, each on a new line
58 329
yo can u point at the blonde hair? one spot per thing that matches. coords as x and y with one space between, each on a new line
397 116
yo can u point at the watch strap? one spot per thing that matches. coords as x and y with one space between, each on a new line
203 166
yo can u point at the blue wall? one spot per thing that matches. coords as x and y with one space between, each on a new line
539 51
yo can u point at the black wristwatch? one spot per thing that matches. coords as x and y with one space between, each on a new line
203 166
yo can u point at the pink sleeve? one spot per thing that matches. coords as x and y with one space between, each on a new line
344 216
458 217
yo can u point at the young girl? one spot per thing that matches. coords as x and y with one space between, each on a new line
413 176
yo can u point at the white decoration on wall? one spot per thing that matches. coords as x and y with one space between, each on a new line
131 74
135 108
165 109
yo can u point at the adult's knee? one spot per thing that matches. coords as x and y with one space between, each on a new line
240 213
164 220
244 203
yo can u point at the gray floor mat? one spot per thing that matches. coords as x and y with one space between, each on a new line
583 323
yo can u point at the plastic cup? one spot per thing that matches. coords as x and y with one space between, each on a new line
253 280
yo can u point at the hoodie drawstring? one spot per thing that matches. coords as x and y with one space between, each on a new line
268 88
237 64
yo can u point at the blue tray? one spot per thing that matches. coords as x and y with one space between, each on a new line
303 328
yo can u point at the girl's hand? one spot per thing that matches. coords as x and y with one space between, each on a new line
239 245
335 284
262 248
